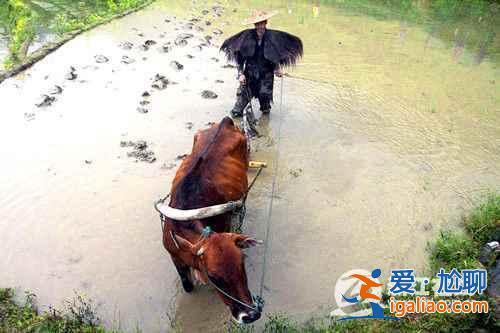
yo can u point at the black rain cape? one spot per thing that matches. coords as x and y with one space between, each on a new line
281 48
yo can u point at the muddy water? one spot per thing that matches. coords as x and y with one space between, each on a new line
379 141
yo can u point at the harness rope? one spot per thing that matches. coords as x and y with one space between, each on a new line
258 302
270 211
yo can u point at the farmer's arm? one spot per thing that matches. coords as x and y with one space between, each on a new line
241 67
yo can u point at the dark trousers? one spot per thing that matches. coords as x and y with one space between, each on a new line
261 88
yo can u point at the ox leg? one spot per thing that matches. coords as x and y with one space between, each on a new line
184 273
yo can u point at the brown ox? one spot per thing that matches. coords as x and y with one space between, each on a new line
214 173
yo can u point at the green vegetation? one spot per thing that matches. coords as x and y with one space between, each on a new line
484 222
474 23
90 13
453 249
429 323
24 316
18 21
449 10
22 20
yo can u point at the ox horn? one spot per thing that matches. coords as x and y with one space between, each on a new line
198 213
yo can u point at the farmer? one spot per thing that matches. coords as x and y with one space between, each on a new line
259 53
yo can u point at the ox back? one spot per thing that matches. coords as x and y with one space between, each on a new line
214 173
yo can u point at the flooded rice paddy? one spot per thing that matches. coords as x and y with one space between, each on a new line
386 132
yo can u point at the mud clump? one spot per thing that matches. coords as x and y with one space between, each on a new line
140 151
165 48
176 65
147 44
100 59
218 9
71 75
185 36
169 166
29 116
182 39
45 100
126 45
127 60
160 82
296 172
55 90
181 42
229 66
208 94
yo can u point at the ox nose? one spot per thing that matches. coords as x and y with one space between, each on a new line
249 317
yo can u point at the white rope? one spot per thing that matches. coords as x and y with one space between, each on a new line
270 211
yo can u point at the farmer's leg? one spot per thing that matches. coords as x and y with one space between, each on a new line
241 101
266 92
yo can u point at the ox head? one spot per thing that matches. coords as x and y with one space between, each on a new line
219 257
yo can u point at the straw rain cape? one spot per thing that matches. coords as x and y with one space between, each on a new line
281 48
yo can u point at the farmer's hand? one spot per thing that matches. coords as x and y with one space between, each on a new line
242 79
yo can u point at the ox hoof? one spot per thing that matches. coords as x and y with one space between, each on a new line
187 285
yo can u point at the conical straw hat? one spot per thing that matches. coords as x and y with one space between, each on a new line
259 16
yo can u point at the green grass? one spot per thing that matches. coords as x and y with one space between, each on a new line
78 316
22 20
66 21
454 249
474 21
19 23
484 223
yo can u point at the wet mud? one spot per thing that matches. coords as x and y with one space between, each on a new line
372 151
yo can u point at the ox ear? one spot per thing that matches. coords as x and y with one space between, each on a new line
183 243
244 242
186 245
